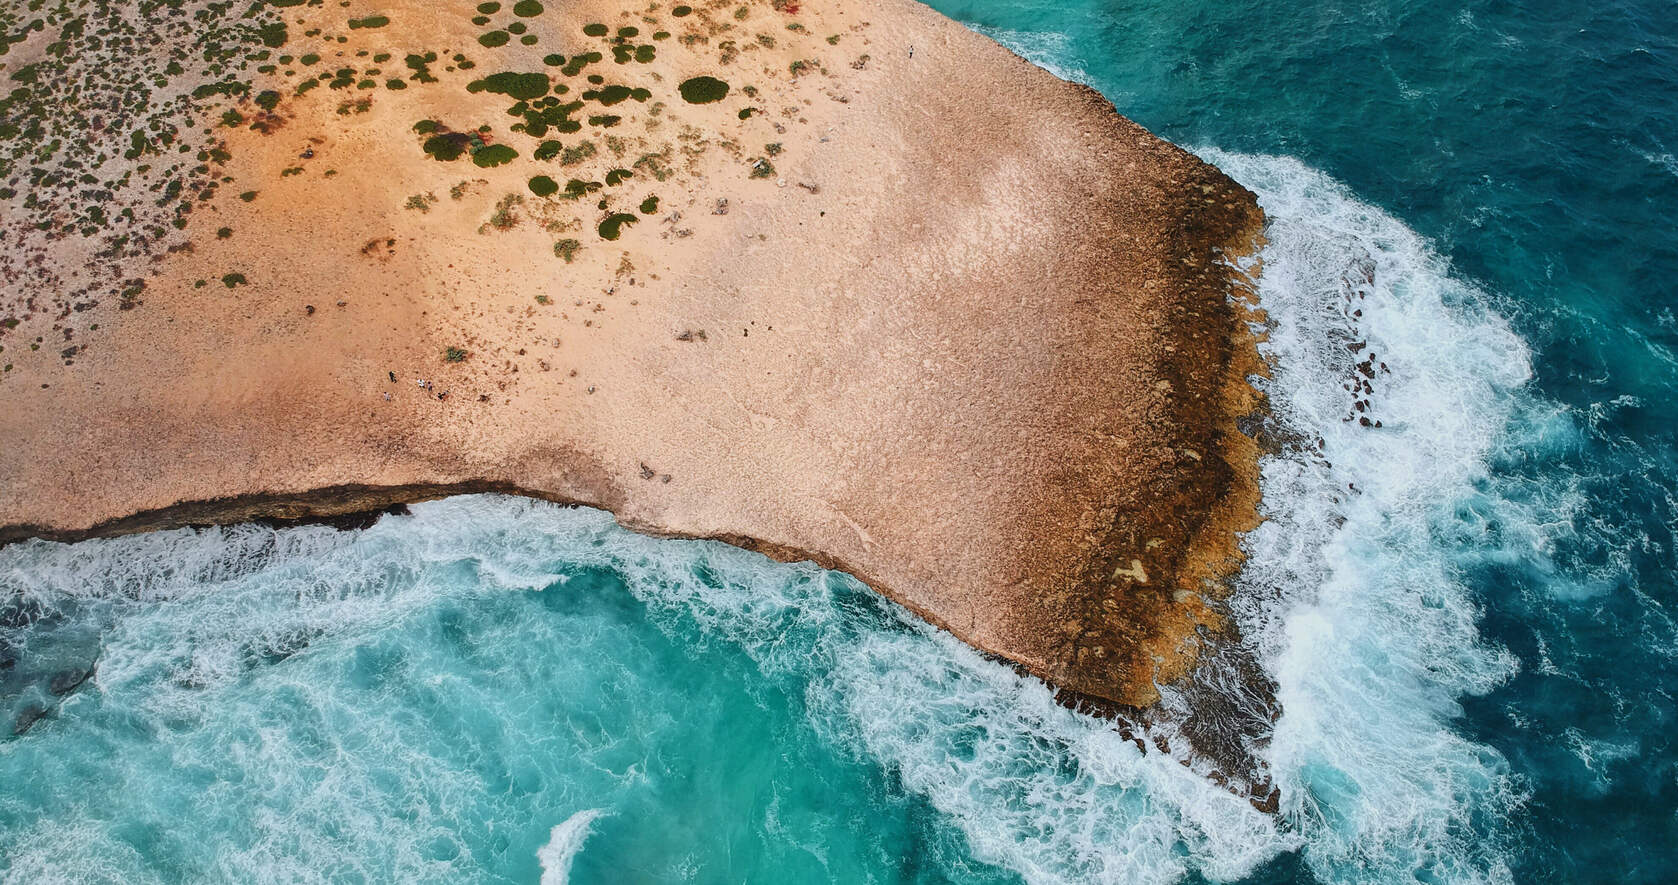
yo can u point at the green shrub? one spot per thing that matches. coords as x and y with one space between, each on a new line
612 227
703 90
447 146
523 87
492 155
609 95
576 188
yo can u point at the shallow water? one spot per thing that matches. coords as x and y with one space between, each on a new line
1467 610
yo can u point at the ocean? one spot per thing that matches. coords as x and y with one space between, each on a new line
1468 611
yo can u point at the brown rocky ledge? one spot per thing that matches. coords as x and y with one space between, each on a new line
924 313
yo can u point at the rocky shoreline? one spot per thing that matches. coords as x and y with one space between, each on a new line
851 284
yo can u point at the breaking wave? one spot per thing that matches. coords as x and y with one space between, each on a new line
301 698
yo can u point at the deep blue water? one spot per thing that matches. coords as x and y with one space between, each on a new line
1475 649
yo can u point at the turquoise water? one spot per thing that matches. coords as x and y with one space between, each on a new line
1468 613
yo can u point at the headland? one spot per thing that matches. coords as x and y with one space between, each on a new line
838 281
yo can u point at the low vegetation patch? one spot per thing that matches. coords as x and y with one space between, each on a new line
505 217
577 153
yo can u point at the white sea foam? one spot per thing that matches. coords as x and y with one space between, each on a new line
1053 795
1659 156
1351 590
1352 587
1050 50
565 842
1056 796
1350 594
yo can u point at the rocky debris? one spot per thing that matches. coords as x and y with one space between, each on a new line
343 522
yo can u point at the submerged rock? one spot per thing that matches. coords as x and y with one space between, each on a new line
65 681
28 713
